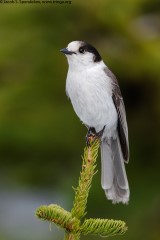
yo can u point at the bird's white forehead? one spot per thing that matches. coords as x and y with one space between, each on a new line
73 46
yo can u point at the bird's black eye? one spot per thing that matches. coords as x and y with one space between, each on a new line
81 50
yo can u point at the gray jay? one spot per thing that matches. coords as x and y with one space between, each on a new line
96 98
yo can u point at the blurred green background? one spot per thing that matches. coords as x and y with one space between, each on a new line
41 138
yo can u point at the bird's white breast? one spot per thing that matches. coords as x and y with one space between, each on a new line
90 92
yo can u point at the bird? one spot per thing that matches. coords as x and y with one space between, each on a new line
97 100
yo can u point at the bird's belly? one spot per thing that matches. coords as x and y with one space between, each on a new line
93 104
96 114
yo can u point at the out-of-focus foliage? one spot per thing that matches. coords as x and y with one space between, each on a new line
41 139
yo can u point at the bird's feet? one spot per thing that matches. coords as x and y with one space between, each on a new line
92 135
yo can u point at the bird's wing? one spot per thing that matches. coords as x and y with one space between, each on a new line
122 122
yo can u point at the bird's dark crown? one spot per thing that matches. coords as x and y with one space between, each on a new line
89 48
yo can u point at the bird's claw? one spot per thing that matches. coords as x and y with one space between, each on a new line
93 135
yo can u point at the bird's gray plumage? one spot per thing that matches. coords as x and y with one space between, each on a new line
115 151
122 122
113 178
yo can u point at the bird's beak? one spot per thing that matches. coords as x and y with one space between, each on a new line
66 51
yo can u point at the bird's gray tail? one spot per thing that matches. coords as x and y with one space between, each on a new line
114 179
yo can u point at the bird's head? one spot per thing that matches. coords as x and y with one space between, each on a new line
81 54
